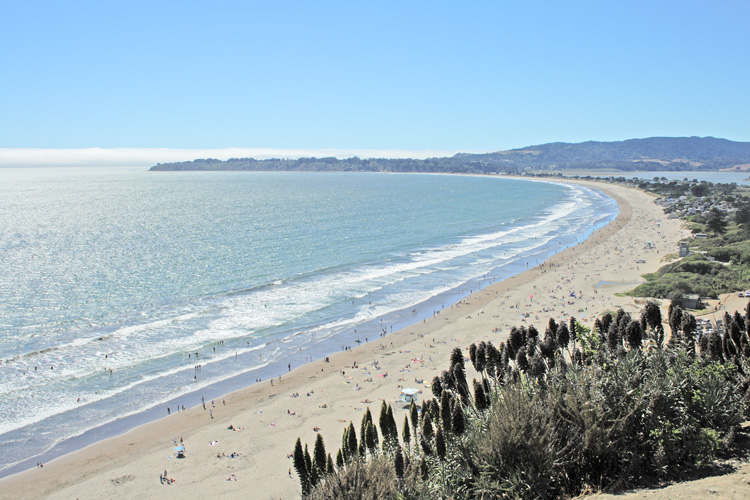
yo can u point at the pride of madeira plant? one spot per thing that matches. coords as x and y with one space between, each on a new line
607 408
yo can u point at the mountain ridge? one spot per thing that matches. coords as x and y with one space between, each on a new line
650 154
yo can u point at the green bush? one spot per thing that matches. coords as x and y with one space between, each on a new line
622 410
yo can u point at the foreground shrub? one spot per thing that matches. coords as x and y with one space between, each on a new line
547 420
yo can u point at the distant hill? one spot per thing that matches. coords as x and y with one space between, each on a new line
655 153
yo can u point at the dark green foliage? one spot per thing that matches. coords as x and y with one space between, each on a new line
319 454
573 330
515 341
742 215
423 411
651 314
703 345
547 349
398 463
383 421
329 465
371 437
405 431
521 361
351 442
634 335
563 336
696 274
437 386
613 338
458 420
700 190
715 220
675 319
427 430
367 417
457 358
493 359
689 327
312 471
425 445
445 411
390 434
532 335
481 357
605 321
481 400
301 467
440 443
537 369
552 327
609 419
459 377
414 417
339 459
715 346
504 356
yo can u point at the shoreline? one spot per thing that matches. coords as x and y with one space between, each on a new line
270 431
395 320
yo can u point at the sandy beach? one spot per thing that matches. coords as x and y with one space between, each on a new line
267 419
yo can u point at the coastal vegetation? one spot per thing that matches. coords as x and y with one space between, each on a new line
655 153
550 416
718 216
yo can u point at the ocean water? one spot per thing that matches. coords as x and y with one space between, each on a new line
115 283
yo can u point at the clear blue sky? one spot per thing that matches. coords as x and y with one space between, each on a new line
463 76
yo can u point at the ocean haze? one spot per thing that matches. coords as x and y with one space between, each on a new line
147 157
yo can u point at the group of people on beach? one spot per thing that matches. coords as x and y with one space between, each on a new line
163 479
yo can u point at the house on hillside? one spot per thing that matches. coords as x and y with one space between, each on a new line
691 301
684 249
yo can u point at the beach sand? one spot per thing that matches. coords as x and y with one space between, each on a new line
268 419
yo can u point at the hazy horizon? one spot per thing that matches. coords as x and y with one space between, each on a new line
147 157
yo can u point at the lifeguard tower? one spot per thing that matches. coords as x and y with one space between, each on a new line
409 395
